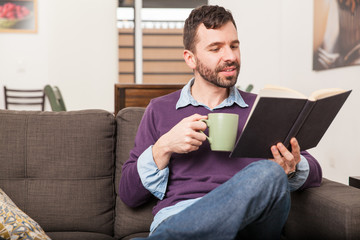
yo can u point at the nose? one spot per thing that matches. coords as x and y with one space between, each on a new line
230 54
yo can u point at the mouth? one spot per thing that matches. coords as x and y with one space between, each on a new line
228 71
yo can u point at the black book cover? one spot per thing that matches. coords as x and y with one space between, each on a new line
279 119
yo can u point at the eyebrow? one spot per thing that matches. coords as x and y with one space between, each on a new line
221 43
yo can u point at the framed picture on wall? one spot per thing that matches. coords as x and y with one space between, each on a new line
18 16
336 34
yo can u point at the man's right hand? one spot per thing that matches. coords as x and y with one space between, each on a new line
184 137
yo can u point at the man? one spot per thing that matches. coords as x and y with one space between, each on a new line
204 194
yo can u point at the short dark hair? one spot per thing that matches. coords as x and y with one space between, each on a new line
213 17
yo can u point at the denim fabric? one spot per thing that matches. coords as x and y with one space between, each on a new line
253 204
156 180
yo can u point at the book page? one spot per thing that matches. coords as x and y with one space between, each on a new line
323 93
280 92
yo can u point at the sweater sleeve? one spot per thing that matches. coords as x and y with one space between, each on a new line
131 190
315 174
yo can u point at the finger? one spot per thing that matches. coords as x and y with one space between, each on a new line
188 148
277 157
199 136
196 117
295 149
284 151
192 141
198 125
275 152
288 158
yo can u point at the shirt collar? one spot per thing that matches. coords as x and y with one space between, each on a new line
186 98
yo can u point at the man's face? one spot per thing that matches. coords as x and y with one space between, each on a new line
218 55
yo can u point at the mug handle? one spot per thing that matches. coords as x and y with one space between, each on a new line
206 121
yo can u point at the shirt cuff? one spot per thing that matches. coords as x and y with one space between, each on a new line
152 178
302 173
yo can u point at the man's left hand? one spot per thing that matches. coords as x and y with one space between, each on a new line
286 159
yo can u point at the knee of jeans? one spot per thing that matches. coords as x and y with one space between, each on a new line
272 174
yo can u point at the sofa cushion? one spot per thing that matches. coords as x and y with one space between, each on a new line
331 211
79 236
59 167
129 221
15 224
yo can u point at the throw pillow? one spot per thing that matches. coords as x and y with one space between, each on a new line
15 224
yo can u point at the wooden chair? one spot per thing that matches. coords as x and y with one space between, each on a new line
55 98
24 97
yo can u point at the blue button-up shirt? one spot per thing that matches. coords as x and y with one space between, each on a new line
187 99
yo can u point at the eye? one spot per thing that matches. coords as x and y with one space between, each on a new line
235 46
214 49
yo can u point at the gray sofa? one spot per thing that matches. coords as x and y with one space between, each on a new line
62 169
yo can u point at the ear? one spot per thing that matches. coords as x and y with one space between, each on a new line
189 58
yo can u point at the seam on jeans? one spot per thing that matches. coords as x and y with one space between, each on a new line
247 219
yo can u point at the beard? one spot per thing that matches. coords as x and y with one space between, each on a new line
213 77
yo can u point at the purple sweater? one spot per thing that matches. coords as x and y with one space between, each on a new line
194 174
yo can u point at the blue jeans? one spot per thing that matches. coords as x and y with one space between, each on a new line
253 204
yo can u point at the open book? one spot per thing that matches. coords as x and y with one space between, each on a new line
280 113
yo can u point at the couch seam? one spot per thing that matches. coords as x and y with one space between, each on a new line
114 158
58 179
25 161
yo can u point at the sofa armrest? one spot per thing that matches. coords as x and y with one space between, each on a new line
331 211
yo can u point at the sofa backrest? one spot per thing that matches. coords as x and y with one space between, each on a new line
58 167
129 222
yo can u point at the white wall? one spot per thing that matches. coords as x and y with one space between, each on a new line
276 45
75 48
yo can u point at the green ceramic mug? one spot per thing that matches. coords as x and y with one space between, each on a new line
222 131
